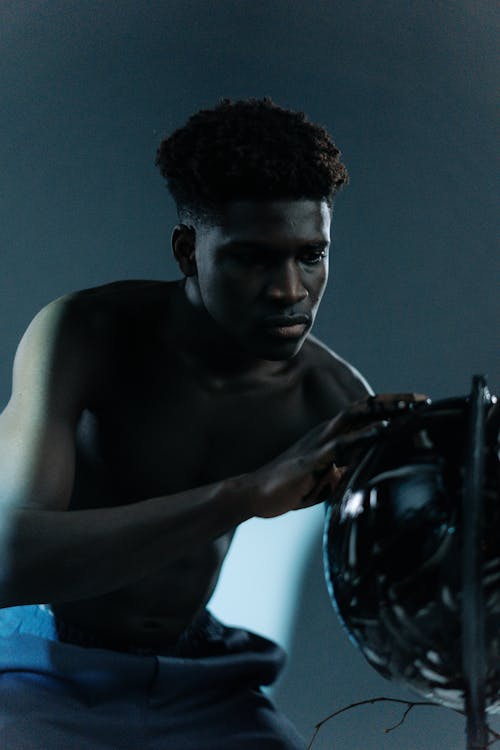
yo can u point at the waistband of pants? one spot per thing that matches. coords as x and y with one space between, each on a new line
204 636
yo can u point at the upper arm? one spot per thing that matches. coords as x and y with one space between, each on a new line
37 427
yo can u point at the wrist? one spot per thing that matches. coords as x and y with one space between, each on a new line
242 494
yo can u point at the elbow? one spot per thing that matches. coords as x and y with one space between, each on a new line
17 588
15 569
7 596
7 564
10 588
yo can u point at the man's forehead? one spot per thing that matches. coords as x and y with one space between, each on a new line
246 220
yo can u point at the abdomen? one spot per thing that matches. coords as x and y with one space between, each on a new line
154 609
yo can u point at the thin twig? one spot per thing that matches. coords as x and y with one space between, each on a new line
401 721
409 705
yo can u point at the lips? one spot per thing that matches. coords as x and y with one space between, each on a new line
286 326
286 320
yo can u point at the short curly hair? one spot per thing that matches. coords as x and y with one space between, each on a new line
250 149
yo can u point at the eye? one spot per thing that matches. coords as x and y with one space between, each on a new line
312 257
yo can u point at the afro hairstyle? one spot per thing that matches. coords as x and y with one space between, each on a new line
250 149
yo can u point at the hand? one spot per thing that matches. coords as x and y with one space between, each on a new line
308 472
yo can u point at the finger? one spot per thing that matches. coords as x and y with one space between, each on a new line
341 448
345 448
339 478
337 473
374 410
328 487
395 401
345 444
409 397
382 406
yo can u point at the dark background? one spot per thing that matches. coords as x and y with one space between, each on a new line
406 88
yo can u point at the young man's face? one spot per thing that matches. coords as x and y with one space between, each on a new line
261 273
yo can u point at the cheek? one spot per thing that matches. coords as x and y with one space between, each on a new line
226 297
235 285
317 285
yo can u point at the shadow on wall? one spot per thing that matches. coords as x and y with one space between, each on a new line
326 672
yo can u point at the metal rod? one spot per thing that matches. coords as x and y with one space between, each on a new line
473 616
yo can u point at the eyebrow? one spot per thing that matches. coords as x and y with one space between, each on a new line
266 245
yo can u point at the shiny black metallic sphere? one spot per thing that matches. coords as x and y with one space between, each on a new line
392 552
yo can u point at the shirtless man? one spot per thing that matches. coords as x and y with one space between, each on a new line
147 420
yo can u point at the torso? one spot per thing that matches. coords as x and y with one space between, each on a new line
153 427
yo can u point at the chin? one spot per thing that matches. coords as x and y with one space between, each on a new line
281 352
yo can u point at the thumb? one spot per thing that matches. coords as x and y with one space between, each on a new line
336 474
329 483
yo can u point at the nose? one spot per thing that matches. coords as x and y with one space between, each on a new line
286 285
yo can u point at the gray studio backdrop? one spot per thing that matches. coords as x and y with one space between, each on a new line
89 88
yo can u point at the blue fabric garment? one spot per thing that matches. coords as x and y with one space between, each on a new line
204 694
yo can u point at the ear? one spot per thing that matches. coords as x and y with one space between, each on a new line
184 247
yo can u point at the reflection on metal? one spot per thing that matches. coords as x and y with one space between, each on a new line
412 555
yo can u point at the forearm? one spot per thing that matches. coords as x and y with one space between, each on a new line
52 556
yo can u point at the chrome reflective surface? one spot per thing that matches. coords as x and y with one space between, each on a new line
392 553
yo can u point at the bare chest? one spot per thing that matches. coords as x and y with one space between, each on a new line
163 432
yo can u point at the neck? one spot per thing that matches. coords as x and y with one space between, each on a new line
207 346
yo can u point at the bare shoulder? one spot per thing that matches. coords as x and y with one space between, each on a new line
136 302
61 326
335 382
68 339
95 314
70 314
54 325
53 348
57 372
117 296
